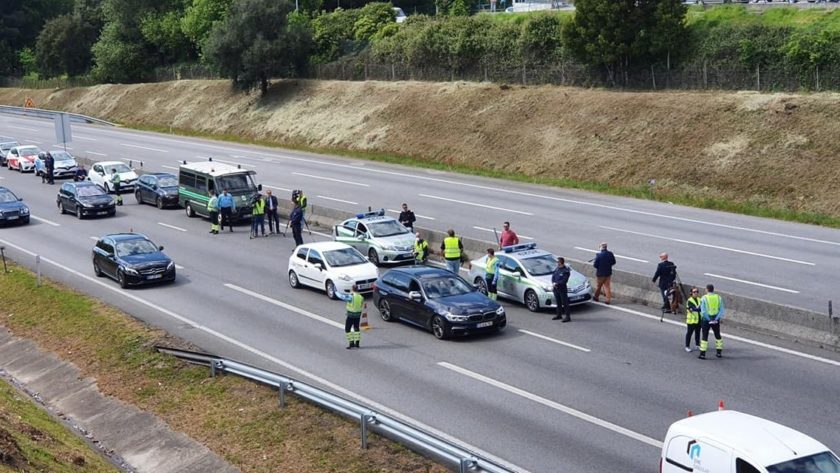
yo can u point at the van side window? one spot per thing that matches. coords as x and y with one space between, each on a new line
187 179
201 183
211 184
743 466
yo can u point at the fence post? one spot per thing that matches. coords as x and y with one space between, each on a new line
524 75
653 77
282 395
817 73
38 269
393 72
465 465
705 76
3 255
758 77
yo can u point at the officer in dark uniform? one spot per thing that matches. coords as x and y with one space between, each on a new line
559 280
666 273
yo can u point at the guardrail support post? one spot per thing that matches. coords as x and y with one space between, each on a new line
37 269
282 397
466 465
364 421
3 254
213 369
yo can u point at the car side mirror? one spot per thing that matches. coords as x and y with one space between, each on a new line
20 199
160 248
415 296
320 266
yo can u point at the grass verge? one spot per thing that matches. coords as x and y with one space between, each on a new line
639 192
237 419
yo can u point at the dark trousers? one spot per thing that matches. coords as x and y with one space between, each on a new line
561 297
50 176
296 230
491 285
257 221
214 219
227 217
117 190
705 326
351 323
695 329
666 303
273 220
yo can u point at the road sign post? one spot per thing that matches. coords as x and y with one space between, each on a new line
62 129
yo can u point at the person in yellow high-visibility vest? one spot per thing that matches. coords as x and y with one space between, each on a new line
353 308
491 273
451 249
711 313
213 210
692 319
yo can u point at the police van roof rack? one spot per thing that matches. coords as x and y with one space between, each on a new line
374 213
520 247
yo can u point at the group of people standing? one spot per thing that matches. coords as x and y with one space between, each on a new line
222 208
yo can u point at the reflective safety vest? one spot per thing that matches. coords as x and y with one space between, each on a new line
115 178
450 248
302 201
692 310
259 207
354 305
490 268
420 249
712 304
213 204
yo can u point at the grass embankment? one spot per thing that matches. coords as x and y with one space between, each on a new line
237 419
793 16
31 440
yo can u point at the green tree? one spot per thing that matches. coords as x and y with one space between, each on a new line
200 17
372 18
162 29
333 34
459 8
26 58
257 42
20 23
64 46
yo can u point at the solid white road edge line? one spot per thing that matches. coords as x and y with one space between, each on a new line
617 256
416 215
331 179
337 200
554 340
725 335
474 204
21 128
172 227
144 147
278 188
95 153
330 385
707 245
43 220
288 307
554 405
752 283
83 138
494 231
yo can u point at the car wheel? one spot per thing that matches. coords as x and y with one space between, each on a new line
532 301
293 280
78 212
373 257
138 197
438 327
188 208
482 285
96 269
159 203
330 289
385 311
61 209
121 279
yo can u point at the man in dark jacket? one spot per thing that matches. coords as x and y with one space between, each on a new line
666 273
49 168
604 261
296 220
271 212
559 281
407 218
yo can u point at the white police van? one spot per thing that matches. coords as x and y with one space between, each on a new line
734 442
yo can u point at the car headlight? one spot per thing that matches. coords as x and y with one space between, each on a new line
587 284
170 266
500 311
130 270
24 211
389 247
454 318
547 287
344 277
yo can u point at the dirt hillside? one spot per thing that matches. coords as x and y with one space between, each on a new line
776 150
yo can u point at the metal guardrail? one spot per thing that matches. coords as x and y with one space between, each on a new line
43 113
463 460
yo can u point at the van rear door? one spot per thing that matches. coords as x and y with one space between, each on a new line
686 454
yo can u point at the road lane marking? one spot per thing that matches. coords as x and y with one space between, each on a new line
172 227
288 307
233 163
706 245
300 371
337 200
1 178
474 204
331 179
83 138
48 222
179 267
553 405
21 128
416 215
752 283
168 167
94 238
617 256
554 340
32 141
494 231
95 153
278 188
144 147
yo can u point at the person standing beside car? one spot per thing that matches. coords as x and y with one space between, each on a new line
353 313
407 218
604 261
49 167
227 205
115 181
296 221
491 273
81 173
451 250
213 210
509 237
258 216
421 250
559 281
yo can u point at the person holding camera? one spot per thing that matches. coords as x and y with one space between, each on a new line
257 215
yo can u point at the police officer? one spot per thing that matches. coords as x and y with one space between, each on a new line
213 210
296 221
692 319
115 181
559 280
491 273
353 308
451 249
711 313
49 167
421 250
300 198
227 205
666 273
258 216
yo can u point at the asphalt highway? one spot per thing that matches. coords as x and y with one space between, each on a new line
591 396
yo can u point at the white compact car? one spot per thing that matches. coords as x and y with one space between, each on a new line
22 158
331 266
101 174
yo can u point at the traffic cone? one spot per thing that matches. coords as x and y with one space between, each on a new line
364 325
720 405
690 413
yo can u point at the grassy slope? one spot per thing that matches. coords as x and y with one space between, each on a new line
236 419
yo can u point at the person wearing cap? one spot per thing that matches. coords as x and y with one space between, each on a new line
258 216
559 281
353 312
509 237
271 213
227 205
604 261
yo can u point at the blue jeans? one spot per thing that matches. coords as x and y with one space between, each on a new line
257 221
453 265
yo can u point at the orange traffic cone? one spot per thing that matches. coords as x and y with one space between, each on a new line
364 325
720 405
690 413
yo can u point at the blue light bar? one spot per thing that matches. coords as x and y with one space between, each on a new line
520 247
375 213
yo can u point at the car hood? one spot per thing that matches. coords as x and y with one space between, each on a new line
31 158
168 190
357 271
467 304
12 206
156 258
66 164
575 280
96 199
404 242
125 176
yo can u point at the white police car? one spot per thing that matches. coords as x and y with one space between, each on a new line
383 239
525 276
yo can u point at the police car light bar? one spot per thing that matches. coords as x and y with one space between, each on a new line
375 213
521 247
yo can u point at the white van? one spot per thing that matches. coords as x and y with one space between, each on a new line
734 442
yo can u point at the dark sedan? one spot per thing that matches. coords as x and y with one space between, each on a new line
436 300
160 189
12 208
131 259
85 199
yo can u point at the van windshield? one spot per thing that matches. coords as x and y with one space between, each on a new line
236 182
824 462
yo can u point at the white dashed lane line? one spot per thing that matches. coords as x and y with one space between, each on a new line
416 215
172 227
83 138
751 283
144 147
554 340
331 179
48 222
474 204
277 187
337 200
169 167
95 153
617 256
21 128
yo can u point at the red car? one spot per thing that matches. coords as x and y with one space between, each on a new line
22 158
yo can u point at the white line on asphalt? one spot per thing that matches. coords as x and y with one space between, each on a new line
245 346
278 188
21 128
48 222
337 200
83 138
144 147
1 178
727 336
322 234
168 167
554 340
553 405
95 153
752 283
706 245
67 147
171 226
331 179
416 215
474 204
617 256
33 141
290 307
233 163
179 267
494 231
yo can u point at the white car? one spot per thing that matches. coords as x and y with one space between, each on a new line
64 164
399 15
101 174
332 267
22 158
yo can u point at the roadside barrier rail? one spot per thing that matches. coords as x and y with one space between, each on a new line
49 114
456 456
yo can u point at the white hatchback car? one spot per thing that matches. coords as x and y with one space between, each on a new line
331 266
101 174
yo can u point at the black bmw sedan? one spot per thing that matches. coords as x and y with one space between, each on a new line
436 300
160 189
131 259
85 199
12 209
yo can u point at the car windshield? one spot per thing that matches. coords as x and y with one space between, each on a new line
344 257
167 181
386 228
135 247
120 167
437 288
823 462
29 151
89 191
8 146
61 156
539 265
6 197
236 182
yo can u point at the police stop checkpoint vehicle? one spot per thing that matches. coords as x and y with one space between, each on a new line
525 276
383 239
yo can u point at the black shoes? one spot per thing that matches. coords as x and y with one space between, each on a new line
556 317
567 319
702 355
561 319
719 354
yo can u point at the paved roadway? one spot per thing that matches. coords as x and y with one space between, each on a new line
594 395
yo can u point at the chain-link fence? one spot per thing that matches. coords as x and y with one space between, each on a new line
55 83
